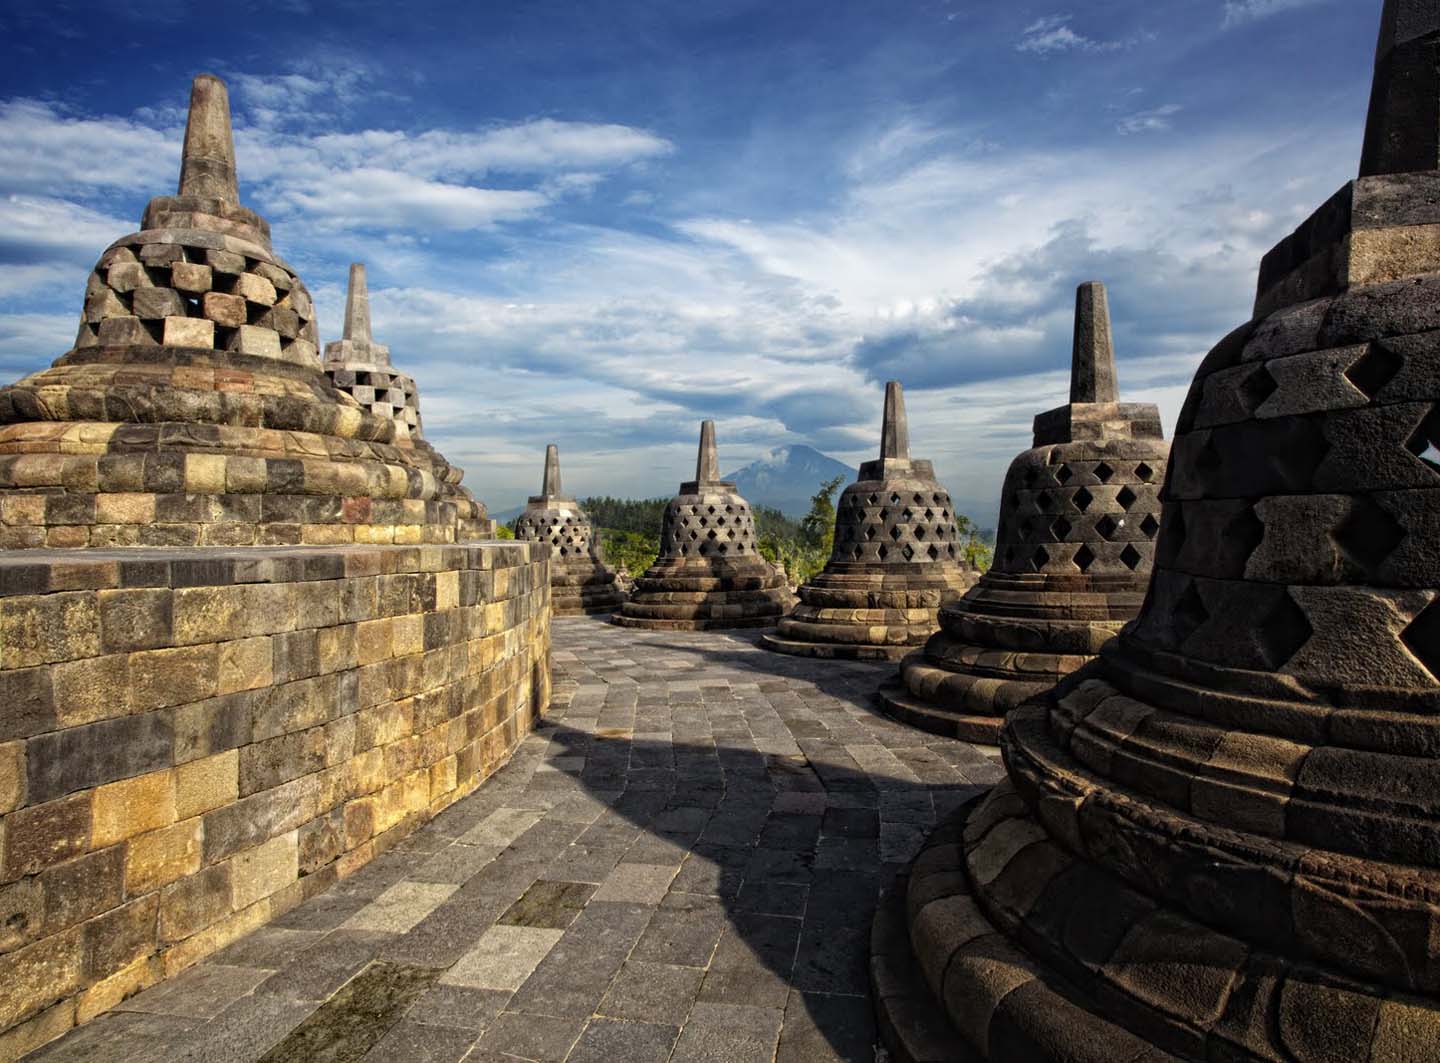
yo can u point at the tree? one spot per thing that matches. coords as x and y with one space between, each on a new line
818 526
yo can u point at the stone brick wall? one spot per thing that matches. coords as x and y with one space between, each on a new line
192 742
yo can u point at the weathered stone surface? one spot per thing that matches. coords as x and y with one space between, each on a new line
1079 514
580 581
709 573
1223 835
197 351
895 562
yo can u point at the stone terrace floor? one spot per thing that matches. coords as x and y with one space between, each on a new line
680 864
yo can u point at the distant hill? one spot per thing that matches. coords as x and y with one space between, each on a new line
787 477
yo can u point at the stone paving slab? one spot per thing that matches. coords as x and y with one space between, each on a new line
680 865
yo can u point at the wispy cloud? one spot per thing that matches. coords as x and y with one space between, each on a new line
1154 120
1239 12
1052 34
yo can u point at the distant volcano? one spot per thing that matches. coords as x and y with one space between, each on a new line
787 477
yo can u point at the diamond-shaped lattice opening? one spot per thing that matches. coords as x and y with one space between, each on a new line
1190 613
920 532
1061 528
729 509
1107 526
894 499
1040 558
929 514
870 531
731 534
895 533
1282 631
884 551
1104 472
694 535
1084 558
1031 475
884 514
1026 527
1374 369
1064 475
1422 638
1082 499
724 547
1145 472
934 552
1367 535
856 552
712 509
704 521
874 499
711 535
1257 387
720 521
944 514
1126 498
909 552
1131 557
919 500
1150 525
1423 443
1043 500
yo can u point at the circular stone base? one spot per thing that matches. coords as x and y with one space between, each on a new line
896 700
841 651
702 624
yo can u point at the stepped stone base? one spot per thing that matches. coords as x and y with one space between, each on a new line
583 589
706 594
896 699
192 742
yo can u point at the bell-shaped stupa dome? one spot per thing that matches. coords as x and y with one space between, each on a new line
580 581
361 368
710 573
895 561
193 410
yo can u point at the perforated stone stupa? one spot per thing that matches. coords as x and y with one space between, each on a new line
361 368
580 581
193 410
710 573
896 559
1221 840
1078 517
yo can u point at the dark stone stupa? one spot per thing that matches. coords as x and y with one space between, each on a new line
709 573
580 581
896 559
1221 840
1079 514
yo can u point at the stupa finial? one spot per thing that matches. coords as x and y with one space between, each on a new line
207 166
357 306
1092 367
707 463
895 427
551 484
1402 134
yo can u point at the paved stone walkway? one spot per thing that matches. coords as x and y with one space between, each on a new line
681 865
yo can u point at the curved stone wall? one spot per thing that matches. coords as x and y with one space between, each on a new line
194 741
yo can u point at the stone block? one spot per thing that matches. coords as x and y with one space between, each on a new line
266 869
82 888
205 474
133 806
12 775
255 289
267 764
134 619
189 332
40 974
44 628
157 304
125 332
226 262
22 913
193 903
253 339
120 937
223 309
172 676
79 757
160 857
128 276
43 835
207 784
90 690
161 254
212 726
191 277
245 664
104 304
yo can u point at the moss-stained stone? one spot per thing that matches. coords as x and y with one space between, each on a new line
347 1026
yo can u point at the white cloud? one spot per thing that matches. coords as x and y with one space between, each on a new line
1052 34
44 149
385 199
1239 12
1154 120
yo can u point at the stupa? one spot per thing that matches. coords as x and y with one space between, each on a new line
895 561
580 581
1079 514
193 410
1221 840
361 368
710 573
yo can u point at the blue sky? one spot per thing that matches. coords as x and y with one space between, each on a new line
596 223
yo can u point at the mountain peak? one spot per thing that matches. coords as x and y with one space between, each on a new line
788 476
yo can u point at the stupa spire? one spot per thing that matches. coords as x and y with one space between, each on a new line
895 427
550 487
1402 134
1092 366
707 463
207 166
357 306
